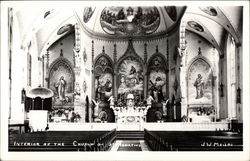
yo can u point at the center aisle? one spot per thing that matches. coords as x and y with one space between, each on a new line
130 145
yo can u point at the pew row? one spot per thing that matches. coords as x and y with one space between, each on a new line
63 141
193 140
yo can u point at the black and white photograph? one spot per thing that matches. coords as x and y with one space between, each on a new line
138 81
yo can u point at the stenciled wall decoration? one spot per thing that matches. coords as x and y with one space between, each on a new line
103 79
130 20
61 81
87 13
194 25
130 76
200 77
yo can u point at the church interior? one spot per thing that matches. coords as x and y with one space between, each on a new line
148 76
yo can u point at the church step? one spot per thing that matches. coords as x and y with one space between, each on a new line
130 135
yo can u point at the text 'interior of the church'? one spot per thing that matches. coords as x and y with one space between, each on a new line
125 78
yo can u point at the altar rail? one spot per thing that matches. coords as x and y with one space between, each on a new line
166 126
193 140
82 126
62 141
187 126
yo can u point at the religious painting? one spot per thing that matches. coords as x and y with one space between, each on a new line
65 29
157 79
200 83
130 20
209 10
103 86
87 13
172 13
157 85
194 25
130 76
61 81
103 79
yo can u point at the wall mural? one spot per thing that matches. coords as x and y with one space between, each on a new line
200 83
194 25
157 85
87 13
130 20
61 81
209 10
65 29
130 76
171 10
103 79
157 79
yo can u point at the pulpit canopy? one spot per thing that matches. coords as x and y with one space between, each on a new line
40 92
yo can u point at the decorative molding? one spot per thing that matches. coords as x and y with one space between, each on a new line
106 63
77 38
145 54
160 65
115 54
93 53
130 52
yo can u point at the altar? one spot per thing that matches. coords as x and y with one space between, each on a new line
130 117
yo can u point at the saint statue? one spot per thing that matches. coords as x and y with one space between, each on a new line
61 84
199 85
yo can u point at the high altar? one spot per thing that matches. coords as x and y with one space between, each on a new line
130 117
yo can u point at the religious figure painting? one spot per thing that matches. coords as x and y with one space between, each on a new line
61 82
130 20
157 85
103 86
200 83
130 80
87 13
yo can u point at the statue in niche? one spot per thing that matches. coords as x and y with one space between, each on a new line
60 88
199 85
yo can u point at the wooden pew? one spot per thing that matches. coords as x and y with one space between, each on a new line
193 141
62 141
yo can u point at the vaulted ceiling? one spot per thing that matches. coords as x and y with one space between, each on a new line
49 25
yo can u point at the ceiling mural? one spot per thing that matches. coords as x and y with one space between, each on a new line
194 25
87 13
65 29
130 20
171 10
209 10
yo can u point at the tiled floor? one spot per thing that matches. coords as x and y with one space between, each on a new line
131 144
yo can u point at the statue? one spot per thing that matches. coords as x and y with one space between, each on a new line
111 100
199 84
149 100
60 86
96 107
